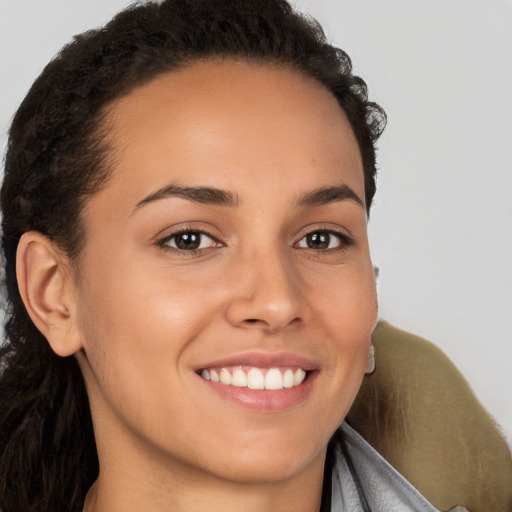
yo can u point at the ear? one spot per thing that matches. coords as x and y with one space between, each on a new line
47 288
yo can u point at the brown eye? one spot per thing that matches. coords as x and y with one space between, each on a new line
318 240
322 240
189 241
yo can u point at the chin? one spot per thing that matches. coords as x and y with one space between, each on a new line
267 462
273 469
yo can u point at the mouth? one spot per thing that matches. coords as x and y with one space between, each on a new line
261 382
255 378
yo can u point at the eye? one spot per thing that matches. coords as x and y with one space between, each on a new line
188 241
324 240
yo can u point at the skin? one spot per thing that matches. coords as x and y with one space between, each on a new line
142 316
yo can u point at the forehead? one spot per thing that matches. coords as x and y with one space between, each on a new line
229 124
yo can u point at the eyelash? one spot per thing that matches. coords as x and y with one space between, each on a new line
345 241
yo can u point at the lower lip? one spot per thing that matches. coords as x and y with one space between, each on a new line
264 399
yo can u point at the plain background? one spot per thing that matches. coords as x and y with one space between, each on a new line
441 226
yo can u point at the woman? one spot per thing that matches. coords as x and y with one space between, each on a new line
191 295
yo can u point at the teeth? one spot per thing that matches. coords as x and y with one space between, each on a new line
256 378
288 379
299 376
239 378
273 379
225 377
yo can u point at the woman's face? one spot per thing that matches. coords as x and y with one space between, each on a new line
230 241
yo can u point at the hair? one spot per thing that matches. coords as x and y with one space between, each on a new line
57 157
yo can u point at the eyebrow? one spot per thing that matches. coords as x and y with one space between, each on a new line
326 195
205 195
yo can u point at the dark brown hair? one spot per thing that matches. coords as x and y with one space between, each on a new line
57 157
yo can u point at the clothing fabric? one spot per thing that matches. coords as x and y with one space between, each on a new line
362 481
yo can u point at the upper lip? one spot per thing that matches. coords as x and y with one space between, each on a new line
263 360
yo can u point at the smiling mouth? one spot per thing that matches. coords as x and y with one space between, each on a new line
255 378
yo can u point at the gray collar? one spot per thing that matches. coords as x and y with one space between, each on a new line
362 481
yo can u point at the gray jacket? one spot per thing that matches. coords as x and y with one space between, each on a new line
362 481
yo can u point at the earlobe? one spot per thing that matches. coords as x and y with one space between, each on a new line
46 286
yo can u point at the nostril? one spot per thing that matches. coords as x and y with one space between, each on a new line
255 322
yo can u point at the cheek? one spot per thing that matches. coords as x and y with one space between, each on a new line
346 301
347 311
136 323
131 296
133 336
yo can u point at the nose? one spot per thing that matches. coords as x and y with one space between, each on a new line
266 294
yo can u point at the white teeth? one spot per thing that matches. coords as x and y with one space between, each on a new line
225 377
239 378
255 379
288 379
274 379
299 376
